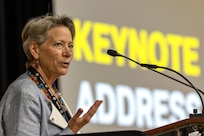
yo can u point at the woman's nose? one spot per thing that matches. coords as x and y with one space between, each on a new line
67 52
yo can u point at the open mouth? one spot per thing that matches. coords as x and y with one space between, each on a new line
65 64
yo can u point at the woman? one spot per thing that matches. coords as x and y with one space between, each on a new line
32 105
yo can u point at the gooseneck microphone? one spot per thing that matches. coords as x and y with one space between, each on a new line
115 54
153 67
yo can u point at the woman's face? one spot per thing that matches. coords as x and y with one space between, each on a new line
55 54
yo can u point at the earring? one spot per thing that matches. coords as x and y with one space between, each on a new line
36 64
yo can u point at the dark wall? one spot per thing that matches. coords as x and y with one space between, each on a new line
13 16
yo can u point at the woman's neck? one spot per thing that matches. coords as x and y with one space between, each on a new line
48 79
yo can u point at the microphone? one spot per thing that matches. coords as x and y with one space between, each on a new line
113 53
152 67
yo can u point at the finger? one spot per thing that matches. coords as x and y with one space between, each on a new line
92 110
78 113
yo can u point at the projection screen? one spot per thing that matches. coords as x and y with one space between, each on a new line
160 32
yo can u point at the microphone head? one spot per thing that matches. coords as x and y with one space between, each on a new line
112 53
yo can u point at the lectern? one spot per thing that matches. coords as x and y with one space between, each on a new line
116 133
180 128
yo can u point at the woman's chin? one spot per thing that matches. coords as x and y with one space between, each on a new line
64 72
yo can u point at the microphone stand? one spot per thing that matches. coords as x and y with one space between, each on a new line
153 67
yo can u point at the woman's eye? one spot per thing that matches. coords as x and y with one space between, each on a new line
58 44
71 46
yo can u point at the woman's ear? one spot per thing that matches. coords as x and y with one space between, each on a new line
34 50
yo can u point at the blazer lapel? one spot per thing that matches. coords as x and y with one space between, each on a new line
57 118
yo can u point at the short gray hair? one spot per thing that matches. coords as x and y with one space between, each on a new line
35 30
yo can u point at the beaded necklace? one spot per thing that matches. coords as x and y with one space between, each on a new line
59 103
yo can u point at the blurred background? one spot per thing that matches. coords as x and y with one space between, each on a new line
164 33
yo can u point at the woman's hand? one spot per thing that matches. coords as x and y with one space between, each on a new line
77 122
